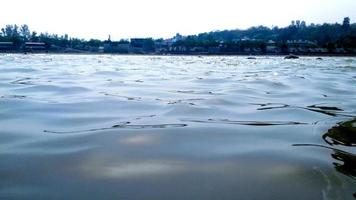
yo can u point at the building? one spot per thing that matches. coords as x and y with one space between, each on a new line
101 49
301 46
271 47
35 46
116 47
142 45
163 46
137 42
7 46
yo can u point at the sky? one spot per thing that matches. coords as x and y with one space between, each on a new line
124 19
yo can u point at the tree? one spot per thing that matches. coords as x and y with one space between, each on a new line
12 34
346 23
292 23
297 23
15 32
94 43
34 37
303 25
25 32
8 30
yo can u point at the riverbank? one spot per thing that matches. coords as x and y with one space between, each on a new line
180 54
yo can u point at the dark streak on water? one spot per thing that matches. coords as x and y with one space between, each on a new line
249 123
327 110
125 125
152 127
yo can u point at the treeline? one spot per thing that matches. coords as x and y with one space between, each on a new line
19 35
255 39
324 35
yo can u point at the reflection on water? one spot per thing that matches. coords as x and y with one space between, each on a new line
348 160
343 134
348 165
181 127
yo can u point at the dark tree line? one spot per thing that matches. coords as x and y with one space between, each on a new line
337 35
325 35
21 34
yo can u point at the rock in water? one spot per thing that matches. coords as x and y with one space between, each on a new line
291 57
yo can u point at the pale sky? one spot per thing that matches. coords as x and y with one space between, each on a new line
163 18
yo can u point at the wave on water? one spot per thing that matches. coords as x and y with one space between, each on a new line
177 127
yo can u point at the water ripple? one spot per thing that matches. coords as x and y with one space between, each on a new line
249 123
94 125
125 125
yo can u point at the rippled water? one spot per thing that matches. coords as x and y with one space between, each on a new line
150 127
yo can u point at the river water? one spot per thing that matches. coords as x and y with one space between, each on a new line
172 127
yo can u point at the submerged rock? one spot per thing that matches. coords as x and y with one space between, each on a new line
251 58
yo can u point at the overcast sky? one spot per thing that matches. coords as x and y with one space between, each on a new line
163 18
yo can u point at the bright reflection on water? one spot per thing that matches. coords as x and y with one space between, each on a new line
149 127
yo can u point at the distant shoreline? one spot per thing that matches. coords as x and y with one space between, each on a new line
182 54
298 38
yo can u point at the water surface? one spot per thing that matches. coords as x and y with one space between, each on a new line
161 127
